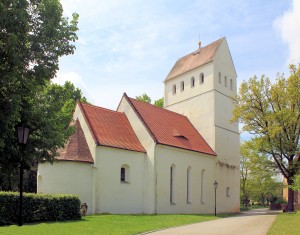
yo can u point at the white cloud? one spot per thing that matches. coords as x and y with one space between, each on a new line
73 77
288 26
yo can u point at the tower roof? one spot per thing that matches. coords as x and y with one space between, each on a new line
110 128
195 59
169 128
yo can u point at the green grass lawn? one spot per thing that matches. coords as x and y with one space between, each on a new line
286 223
107 224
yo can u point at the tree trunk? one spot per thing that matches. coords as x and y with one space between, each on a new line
290 205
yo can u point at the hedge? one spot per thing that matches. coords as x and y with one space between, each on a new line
38 207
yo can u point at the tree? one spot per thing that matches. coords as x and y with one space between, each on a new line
272 113
145 98
53 108
33 35
257 175
159 102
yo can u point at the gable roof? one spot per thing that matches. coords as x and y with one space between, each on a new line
169 128
76 148
195 59
110 128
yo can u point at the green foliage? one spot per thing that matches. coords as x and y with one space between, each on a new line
51 112
38 207
33 36
159 102
145 98
257 176
296 185
272 113
108 224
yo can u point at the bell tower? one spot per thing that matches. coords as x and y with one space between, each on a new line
202 86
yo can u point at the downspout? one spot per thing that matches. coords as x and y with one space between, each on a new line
94 170
155 180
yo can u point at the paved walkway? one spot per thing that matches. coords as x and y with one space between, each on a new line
256 222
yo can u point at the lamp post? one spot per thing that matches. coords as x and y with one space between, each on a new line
23 133
215 184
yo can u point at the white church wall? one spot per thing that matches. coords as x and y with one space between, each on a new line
170 98
201 178
112 195
227 144
199 108
149 145
66 177
195 102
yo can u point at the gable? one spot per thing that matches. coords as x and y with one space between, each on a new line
110 128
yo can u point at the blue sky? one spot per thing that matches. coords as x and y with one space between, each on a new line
131 45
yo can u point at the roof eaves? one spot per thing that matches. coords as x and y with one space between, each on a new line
189 149
177 75
73 160
140 117
109 146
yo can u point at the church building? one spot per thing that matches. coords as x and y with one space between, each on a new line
146 159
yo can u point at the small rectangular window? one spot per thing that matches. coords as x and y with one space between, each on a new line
228 191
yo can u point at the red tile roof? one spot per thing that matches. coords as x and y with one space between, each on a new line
170 128
110 128
195 59
76 149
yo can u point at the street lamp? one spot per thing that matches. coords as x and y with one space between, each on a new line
23 133
215 184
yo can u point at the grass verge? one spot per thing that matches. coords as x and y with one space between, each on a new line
108 224
286 223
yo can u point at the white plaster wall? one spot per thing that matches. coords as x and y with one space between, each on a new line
199 109
210 111
66 177
182 159
189 91
114 196
228 177
149 163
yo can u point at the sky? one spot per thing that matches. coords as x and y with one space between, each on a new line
131 45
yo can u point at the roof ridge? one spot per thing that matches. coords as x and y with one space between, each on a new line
99 107
159 107
201 48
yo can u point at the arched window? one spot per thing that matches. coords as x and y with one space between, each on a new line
182 86
228 191
202 186
231 84
188 185
192 82
225 81
201 78
124 174
220 78
174 89
172 174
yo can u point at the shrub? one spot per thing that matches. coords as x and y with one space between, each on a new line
38 207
